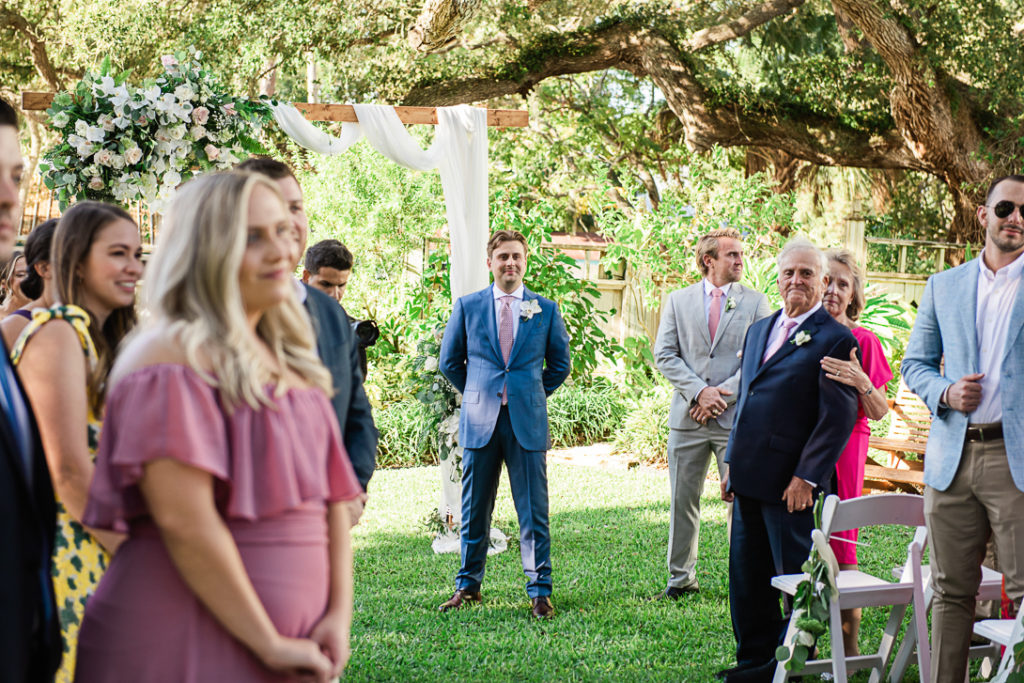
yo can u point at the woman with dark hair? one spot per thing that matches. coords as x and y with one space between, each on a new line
37 287
868 372
10 293
63 357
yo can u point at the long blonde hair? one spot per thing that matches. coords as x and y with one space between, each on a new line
192 288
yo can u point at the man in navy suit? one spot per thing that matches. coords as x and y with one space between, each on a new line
335 341
506 350
791 425
30 644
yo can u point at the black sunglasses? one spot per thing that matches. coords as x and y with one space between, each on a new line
1006 208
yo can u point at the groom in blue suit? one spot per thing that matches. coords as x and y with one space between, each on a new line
971 319
506 350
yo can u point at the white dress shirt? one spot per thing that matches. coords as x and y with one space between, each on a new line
515 304
781 321
997 292
708 287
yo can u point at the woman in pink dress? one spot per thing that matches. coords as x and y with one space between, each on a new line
868 374
221 457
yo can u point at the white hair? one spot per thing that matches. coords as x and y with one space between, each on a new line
803 244
192 289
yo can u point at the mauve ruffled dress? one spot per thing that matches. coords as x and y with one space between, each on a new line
275 471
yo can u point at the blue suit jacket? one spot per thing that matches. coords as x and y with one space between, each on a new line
945 327
471 360
336 346
791 420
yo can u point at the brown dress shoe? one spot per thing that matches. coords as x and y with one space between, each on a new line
460 598
542 608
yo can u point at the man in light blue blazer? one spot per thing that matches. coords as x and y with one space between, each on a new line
506 350
971 318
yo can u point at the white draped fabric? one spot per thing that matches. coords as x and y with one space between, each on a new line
459 152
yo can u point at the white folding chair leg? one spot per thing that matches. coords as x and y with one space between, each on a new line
838 649
924 652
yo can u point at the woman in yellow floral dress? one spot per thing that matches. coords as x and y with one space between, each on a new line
63 357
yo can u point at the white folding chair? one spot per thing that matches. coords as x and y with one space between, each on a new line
991 588
859 589
1004 632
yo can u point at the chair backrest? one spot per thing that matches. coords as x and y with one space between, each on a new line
887 508
911 420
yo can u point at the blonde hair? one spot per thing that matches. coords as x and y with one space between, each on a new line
857 301
707 245
192 288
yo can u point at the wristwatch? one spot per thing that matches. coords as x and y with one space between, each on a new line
868 392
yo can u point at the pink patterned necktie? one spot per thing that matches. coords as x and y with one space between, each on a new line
715 312
505 337
779 341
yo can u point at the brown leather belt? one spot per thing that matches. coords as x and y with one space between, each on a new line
987 432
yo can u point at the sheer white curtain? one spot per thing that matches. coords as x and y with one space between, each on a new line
459 152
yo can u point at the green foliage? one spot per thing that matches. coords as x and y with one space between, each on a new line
402 427
890 320
644 432
581 414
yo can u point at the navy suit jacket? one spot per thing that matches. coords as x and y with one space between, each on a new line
791 420
336 345
471 359
28 522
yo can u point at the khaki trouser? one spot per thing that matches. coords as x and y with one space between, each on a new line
981 501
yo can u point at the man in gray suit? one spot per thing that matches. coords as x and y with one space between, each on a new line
971 318
701 332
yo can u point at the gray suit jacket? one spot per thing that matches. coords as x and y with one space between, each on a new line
691 360
945 329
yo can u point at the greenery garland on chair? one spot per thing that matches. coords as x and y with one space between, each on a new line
813 595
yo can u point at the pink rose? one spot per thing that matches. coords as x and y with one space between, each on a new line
200 115
229 109
96 183
211 152
168 61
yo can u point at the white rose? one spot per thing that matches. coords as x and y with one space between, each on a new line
81 127
159 165
133 156
96 183
117 162
91 170
60 120
197 133
95 134
106 122
177 133
211 152
172 179
184 92
104 157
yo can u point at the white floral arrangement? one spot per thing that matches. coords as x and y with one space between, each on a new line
528 309
124 143
800 338
730 303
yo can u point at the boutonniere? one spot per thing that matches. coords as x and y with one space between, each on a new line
528 308
730 303
800 338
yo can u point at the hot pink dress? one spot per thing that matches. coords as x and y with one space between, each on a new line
850 467
274 470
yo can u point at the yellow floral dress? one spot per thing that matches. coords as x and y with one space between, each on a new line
78 559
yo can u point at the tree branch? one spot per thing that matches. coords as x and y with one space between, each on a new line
36 45
741 25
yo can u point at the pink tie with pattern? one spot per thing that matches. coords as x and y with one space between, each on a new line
715 312
505 337
779 341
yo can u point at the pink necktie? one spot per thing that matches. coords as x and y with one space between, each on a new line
779 341
715 312
505 337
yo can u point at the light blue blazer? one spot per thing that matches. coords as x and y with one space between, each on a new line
471 360
945 327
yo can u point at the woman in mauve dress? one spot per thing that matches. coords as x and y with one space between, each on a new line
868 372
222 458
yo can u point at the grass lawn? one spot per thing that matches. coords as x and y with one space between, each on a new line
609 534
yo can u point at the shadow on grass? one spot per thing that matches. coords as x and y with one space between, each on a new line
608 562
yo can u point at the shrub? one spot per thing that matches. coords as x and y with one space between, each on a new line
403 440
644 432
580 415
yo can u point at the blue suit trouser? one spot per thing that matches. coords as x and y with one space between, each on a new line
766 541
527 474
